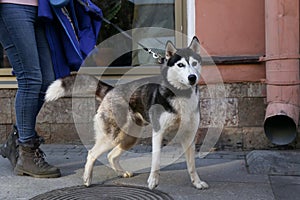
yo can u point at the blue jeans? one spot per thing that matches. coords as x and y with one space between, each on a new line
25 43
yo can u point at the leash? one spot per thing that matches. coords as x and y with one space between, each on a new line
155 55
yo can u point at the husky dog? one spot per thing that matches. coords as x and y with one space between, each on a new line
169 102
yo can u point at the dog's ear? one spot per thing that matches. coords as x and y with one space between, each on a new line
170 50
195 45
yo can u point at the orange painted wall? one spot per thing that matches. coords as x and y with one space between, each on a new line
233 28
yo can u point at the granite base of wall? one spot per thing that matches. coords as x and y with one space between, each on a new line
238 108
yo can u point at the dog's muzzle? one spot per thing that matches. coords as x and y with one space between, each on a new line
192 79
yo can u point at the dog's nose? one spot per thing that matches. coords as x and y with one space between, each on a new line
192 79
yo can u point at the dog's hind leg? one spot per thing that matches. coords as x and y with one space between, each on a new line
190 160
113 158
102 145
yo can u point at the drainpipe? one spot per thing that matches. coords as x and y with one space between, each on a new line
282 70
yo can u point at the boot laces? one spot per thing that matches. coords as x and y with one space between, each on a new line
39 158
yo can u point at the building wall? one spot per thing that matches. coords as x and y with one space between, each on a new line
233 28
243 126
225 28
237 28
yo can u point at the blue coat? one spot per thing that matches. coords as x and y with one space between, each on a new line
72 33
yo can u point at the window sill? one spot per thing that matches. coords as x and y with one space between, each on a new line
109 74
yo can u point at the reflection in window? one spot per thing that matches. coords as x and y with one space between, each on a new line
137 14
1 57
4 63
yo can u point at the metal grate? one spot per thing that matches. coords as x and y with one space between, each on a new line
104 192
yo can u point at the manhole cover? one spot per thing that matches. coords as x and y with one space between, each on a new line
104 192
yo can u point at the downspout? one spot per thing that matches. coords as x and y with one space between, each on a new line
282 70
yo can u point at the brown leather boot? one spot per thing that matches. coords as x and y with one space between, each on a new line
31 161
9 149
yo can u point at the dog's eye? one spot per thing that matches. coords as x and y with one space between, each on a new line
180 65
194 64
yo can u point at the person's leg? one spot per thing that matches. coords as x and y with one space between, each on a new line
9 149
17 34
48 75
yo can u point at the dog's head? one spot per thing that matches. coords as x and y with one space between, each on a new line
182 66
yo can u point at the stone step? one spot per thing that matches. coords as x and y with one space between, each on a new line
274 162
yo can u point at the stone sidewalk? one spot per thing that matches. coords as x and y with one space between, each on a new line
225 172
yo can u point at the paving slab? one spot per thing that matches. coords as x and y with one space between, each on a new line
225 172
286 187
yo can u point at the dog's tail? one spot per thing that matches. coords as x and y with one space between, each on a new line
77 85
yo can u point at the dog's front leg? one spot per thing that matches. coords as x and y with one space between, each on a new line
156 150
190 159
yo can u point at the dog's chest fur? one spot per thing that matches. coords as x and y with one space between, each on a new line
184 120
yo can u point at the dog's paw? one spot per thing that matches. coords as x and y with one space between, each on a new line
153 180
127 174
87 180
201 185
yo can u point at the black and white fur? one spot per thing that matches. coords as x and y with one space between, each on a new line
169 102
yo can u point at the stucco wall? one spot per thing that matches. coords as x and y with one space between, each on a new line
231 27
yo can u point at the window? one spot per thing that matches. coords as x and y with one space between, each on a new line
1 57
7 80
132 16
144 21
149 22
